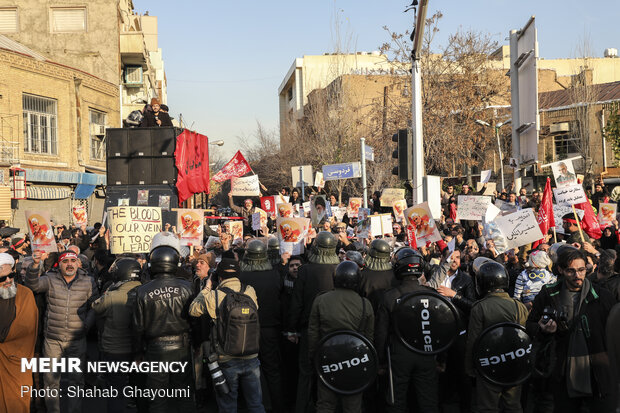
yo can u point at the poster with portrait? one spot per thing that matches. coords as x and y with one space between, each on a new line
399 207
79 216
235 229
318 209
268 204
143 197
40 231
564 173
259 219
606 214
292 233
190 226
284 210
354 206
164 202
420 218
513 163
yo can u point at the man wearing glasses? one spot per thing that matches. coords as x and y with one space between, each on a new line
573 312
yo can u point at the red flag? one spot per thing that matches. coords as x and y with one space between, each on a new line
268 204
235 168
589 223
413 243
545 213
191 157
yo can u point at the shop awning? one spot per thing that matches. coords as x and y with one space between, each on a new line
47 192
64 177
83 191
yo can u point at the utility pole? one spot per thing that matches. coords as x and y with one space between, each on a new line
363 141
416 106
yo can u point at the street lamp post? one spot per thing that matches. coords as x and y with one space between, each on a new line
499 144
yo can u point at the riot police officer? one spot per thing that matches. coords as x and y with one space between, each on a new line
115 309
496 306
406 365
377 275
161 326
256 271
340 309
313 278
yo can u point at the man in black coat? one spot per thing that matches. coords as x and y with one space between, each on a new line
156 117
256 270
377 275
313 278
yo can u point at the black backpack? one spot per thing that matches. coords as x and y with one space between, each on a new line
237 330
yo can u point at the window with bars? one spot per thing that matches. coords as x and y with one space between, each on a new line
40 124
97 134
566 145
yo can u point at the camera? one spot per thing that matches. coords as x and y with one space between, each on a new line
550 313
219 380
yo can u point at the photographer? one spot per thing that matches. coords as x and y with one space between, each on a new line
573 312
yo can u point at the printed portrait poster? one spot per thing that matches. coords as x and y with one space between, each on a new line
354 206
259 219
268 204
292 233
143 197
79 216
420 218
514 164
399 207
284 210
318 209
235 229
319 182
564 173
362 213
164 202
41 231
606 214
190 225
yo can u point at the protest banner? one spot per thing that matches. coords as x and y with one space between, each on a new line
519 228
318 209
40 231
389 195
246 186
268 204
489 190
399 207
190 226
354 206
472 207
79 216
284 210
235 229
564 173
132 228
259 219
292 233
485 176
338 212
569 195
236 167
420 218
607 214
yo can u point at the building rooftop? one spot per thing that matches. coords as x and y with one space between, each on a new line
562 99
12 45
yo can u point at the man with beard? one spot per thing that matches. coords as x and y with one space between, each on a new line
313 278
69 295
256 271
18 333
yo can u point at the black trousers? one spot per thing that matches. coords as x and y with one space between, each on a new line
270 362
183 380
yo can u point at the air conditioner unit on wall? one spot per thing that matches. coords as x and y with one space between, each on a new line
96 129
133 75
559 127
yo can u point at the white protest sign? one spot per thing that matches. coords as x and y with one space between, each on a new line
485 176
306 174
489 190
492 212
564 173
559 211
389 195
472 207
519 228
338 212
570 195
132 228
386 224
246 186
319 182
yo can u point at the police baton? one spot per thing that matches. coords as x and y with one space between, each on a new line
390 378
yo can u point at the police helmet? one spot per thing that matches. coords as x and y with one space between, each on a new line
274 244
164 259
408 261
478 263
379 249
326 240
256 250
491 276
124 269
347 275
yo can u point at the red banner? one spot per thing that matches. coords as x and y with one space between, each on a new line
545 212
235 168
191 158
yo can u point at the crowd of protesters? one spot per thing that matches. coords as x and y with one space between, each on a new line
162 305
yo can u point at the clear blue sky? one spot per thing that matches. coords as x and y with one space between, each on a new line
225 60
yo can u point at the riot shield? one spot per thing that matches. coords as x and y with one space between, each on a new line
426 322
346 362
503 355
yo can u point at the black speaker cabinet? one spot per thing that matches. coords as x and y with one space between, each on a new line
139 142
163 141
140 171
118 171
116 142
163 170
